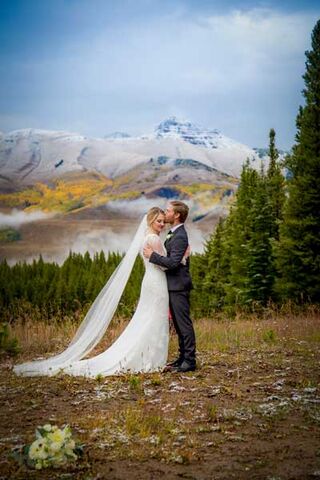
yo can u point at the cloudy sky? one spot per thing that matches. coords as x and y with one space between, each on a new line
98 66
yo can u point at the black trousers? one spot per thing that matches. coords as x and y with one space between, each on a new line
180 310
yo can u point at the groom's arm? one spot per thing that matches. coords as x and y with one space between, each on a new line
176 254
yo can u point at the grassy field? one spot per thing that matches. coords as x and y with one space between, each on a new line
250 411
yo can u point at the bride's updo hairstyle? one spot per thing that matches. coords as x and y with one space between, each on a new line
152 215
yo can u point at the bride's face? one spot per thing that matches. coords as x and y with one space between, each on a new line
158 224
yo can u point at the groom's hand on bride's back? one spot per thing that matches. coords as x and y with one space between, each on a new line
186 255
147 251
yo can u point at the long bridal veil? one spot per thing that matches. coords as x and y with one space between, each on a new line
97 319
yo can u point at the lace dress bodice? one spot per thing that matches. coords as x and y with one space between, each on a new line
155 242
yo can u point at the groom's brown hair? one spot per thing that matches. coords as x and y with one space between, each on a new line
181 208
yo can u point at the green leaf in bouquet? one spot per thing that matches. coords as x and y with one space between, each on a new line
17 455
38 433
79 448
21 455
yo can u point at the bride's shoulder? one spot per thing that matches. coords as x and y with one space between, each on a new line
150 236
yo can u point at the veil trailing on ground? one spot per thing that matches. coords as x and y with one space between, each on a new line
99 316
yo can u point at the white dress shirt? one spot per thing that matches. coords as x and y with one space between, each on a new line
175 227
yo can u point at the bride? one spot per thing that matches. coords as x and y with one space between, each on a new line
143 345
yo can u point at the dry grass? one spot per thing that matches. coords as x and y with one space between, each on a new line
250 330
213 335
41 337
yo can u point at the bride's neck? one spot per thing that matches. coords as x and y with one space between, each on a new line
150 230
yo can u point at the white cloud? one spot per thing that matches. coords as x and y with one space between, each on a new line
176 56
97 240
18 217
112 241
136 207
239 72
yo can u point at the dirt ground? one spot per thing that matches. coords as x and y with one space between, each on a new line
250 411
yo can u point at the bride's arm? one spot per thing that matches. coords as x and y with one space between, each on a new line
157 246
177 253
155 243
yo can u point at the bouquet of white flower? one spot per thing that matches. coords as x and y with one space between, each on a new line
52 447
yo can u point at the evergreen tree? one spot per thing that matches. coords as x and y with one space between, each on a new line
240 262
259 257
275 186
199 295
238 234
298 253
216 268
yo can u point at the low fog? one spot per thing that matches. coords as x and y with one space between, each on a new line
110 241
99 229
140 206
19 217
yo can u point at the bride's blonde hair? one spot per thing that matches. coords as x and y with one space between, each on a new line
152 215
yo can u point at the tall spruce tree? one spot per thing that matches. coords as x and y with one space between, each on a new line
259 257
275 186
216 268
298 253
239 233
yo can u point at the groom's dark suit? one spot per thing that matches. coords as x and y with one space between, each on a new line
179 286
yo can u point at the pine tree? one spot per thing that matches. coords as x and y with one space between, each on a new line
199 295
238 235
298 253
275 186
216 268
259 257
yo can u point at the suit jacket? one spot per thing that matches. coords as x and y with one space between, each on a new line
178 275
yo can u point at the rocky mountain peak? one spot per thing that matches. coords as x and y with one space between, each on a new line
189 132
117 135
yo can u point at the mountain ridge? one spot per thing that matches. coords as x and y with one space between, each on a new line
30 155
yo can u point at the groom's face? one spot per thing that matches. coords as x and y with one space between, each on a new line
170 214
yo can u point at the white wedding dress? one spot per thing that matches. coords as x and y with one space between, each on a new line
142 346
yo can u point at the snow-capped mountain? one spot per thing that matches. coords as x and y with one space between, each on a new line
117 135
33 155
191 133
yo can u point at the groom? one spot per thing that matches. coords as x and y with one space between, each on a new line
179 284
